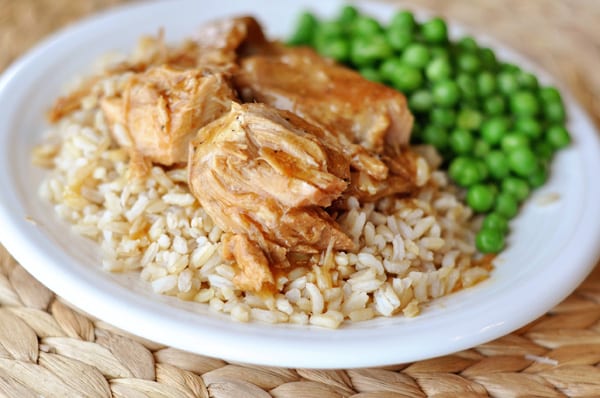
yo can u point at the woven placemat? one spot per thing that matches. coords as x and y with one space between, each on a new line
48 349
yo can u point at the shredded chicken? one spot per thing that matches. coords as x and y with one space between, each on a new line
161 109
401 179
253 264
264 174
234 37
341 100
371 121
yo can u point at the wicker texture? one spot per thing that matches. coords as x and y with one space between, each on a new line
48 349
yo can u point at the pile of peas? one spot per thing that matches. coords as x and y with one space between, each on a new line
495 126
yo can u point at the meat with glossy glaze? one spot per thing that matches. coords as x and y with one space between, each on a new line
268 175
161 109
318 90
370 121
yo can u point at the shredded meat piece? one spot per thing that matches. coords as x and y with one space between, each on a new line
341 100
161 109
234 37
371 121
253 264
401 179
267 174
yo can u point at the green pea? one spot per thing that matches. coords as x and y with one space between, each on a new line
404 19
435 31
457 165
554 111
524 103
467 85
529 127
416 55
464 171
439 52
495 221
481 149
549 94
364 51
467 43
480 197
512 141
468 62
438 69
538 178
445 93
470 175
305 28
389 67
558 136
443 117
517 187
436 136
497 164
329 29
399 37
335 48
488 58
527 80
510 68
407 79
364 26
371 74
507 83
469 119
494 105
486 83
403 77
348 14
461 141
543 150
493 129
421 101
489 241
506 205
522 161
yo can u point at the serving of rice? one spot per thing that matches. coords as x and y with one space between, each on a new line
411 250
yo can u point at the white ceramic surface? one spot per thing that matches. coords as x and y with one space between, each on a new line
550 251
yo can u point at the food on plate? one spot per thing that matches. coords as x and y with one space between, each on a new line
160 110
266 181
494 124
301 81
370 122
266 175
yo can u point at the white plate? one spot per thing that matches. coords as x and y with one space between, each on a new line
550 251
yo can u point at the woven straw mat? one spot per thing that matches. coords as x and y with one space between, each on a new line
48 349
